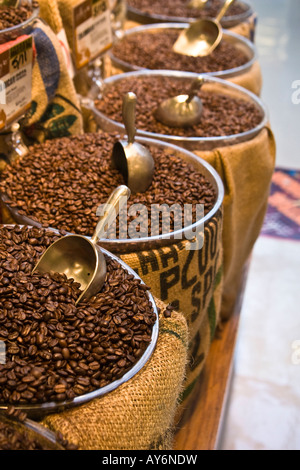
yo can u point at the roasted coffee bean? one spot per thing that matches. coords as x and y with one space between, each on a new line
180 8
154 51
89 178
53 356
11 16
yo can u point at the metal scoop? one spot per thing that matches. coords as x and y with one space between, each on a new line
182 110
133 160
202 36
79 257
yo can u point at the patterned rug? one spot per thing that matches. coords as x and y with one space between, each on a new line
283 215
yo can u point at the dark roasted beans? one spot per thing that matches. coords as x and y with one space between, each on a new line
56 350
62 182
154 51
222 115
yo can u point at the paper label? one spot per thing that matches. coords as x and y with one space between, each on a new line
92 30
15 80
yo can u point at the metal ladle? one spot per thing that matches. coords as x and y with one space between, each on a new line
133 160
202 36
182 110
79 257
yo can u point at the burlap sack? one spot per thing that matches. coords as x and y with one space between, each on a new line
191 281
247 28
55 110
140 414
246 171
49 12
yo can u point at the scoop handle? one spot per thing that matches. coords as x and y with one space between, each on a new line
224 9
114 204
195 87
129 106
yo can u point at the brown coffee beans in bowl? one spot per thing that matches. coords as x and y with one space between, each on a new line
62 182
227 111
11 16
53 351
14 20
177 9
151 47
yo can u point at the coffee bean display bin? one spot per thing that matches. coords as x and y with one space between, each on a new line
150 47
245 159
43 388
240 19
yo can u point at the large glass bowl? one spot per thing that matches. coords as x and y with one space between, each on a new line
37 411
156 241
241 43
228 21
189 143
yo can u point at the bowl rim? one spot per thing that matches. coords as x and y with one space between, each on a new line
38 410
228 73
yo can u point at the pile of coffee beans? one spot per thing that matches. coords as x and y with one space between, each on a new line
11 16
180 8
154 50
15 434
56 350
222 115
62 182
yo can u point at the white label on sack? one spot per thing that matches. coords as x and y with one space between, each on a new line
92 30
16 80
62 37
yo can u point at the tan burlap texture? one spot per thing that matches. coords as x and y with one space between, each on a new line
246 170
49 12
66 12
140 414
